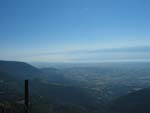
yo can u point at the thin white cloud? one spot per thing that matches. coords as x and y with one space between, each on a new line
132 53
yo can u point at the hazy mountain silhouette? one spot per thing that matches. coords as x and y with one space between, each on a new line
20 70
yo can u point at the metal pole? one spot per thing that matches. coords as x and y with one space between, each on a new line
26 102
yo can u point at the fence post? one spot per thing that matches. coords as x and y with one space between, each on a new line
26 100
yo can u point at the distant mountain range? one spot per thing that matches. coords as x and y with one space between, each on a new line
47 89
51 91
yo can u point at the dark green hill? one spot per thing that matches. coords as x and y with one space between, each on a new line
6 77
136 102
19 70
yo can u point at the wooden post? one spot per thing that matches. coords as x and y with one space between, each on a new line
26 100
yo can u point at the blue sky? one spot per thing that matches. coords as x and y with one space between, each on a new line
62 30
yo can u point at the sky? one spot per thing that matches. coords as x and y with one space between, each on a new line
74 30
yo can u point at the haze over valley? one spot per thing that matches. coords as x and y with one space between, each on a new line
73 88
